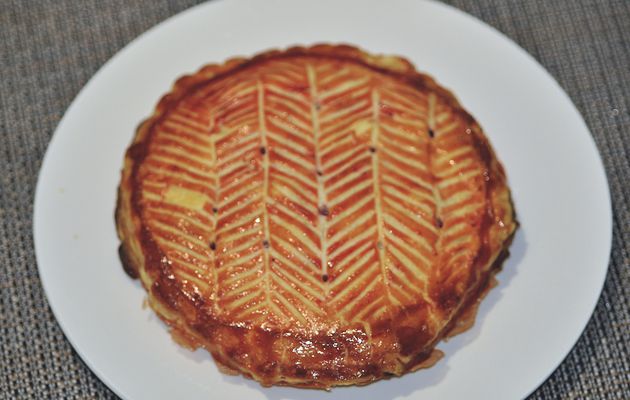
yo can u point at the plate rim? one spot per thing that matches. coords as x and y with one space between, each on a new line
175 18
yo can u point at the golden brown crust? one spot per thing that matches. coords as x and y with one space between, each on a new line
342 352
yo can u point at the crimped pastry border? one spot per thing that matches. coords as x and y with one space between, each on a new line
139 257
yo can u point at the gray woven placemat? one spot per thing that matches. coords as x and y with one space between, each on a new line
50 49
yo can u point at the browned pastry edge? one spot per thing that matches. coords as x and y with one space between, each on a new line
176 308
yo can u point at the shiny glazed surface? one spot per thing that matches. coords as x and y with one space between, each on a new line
313 217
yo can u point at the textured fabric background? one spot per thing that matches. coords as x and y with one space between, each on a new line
50 49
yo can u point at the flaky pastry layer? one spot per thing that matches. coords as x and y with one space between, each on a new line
313 217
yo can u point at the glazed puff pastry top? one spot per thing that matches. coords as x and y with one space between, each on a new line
313 217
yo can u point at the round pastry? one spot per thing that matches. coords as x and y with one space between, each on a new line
313 217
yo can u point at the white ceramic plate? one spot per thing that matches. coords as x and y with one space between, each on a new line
525 327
